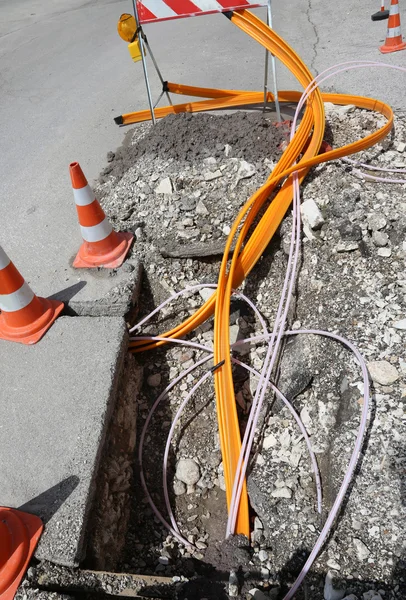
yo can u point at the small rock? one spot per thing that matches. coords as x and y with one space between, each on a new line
382 372
179 488
347 247
221 482
344 110
311 214
400 146
283 492
400 324
233 587
227 150
330 593
350 597
256 594
376 222
213 175
372 595
269 441
206 293
187 470
165 187
163 560
384 252
263 555
360 548
380 238
245 171
110 156
258 524
154 380
201 208
350 231
260 460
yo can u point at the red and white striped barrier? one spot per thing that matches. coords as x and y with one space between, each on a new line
152 11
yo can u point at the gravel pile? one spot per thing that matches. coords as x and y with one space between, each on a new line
178 186
352 281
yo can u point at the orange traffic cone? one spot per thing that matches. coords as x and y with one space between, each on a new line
394 41
102 246
19 535
24 317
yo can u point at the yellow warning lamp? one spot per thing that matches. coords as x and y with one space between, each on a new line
127 27
127 30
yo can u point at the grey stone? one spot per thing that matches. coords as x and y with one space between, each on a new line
376 222
384 252
201 209
101 292
62 392
330 592
311 214
282 492
269 441
263 555
383 372
187 470
211 176
380 238
256 594
347 246
179 488
360 548
350 231
298 364
154 380
400 324
245 171
164 187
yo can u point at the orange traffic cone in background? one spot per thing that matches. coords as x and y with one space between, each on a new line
24 317
102 246
381 14
19 535
394 41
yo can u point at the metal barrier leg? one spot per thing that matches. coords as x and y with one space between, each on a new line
144 62
273 61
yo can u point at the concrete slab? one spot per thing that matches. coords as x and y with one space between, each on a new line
56 400
101 292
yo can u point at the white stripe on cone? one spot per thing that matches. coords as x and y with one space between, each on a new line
84 196
394 32
16 300
394 9
4 259
96 233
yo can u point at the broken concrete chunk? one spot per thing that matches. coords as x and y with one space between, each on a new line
165 187
210 176
400 324
383 372
311 214
361 550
